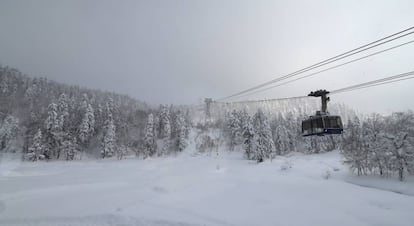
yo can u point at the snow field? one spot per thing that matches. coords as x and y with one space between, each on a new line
200 190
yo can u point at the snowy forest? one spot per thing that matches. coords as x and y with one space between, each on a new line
373 144
45 120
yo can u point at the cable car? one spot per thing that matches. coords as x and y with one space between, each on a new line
322 123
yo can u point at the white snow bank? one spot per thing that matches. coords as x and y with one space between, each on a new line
200 190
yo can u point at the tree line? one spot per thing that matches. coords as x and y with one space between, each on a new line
43 119
375 144
381 145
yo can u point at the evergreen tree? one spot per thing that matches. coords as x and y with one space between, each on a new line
63 111
281 140
234 129
28 99
188 124
164 130
181 141
9 131
36 150
87 127
264 145
290 132
53 133
69 147
164 123
108 142
248 136
150 146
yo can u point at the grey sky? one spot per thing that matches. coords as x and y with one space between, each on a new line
182 51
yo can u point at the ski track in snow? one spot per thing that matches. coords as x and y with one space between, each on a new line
200 190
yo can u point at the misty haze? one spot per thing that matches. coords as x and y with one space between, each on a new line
199 113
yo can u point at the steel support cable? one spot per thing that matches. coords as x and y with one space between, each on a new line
330 68
386 80
327 61
382 81
257 101
373 85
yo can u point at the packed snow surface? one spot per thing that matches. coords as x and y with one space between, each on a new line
200 190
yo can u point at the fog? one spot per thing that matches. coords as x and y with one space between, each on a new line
183 51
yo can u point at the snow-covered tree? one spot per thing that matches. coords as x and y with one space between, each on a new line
53 133
28 99
9 130
234 129
248 136
87 126
69 147
36 150
353 148
164 130
121 151
164 123
108 142
52 122
181 141
63 111
400 143
150 145
84 103
291 129
188 123
381 145
264 145
312 145
373 139
281 139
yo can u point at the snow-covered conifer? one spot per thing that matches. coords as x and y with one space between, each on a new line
165 125
87 126
264 145
181 141
108 142
52 121
150 146
164 130
63 111
248 136
281 140
9 130
234 129
69 147
36 150
53 133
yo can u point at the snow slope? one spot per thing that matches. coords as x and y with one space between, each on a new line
199 190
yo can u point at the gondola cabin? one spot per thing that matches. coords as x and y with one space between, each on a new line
322 125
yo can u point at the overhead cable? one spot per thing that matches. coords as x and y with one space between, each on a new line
329 60
377 82
328 69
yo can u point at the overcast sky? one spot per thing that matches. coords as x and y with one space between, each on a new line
182 51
